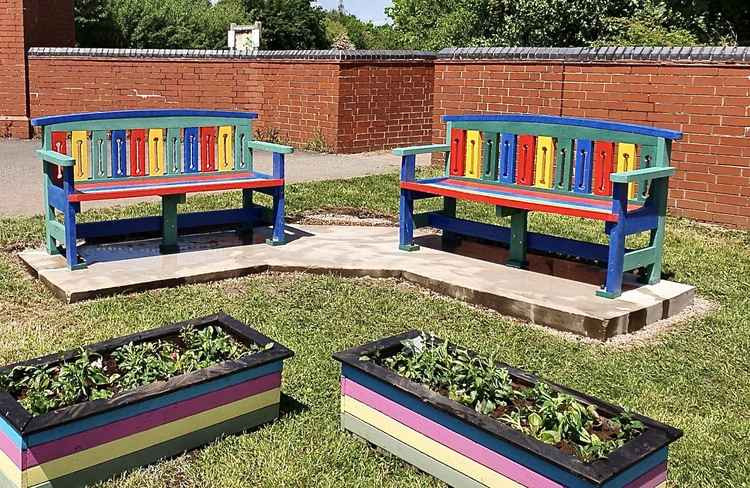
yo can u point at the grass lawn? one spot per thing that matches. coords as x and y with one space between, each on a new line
696 377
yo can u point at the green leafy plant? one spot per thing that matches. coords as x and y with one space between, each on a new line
545 414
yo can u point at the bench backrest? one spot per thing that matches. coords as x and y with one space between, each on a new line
556 154
149 143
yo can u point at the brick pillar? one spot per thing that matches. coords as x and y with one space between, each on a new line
24 24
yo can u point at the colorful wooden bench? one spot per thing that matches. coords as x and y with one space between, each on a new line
608 171
140 153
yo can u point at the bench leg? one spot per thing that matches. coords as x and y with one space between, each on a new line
246 228
71 237
518 239
659 190
169 223
450 239
278 238
406 222
616 259
49 211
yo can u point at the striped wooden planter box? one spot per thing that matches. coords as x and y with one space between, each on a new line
92 441
466 449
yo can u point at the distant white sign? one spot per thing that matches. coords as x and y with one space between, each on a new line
244 37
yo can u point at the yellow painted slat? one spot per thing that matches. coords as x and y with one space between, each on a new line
545 162
473 153
136 442
9 469
79 139
156 152
226 148
424 444
626 162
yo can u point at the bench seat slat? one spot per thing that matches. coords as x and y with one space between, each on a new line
155 186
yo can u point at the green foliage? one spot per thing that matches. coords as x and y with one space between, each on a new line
363 35
654 24
318 143
289 24
552 417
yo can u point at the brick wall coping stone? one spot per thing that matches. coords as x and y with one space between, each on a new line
681 54
330 54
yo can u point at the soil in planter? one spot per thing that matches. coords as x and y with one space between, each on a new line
536 410
92 376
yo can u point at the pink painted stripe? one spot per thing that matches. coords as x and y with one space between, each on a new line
156 180
125 427
10 449
651 479
467 447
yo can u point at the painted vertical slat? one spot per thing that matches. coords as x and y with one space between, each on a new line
79 142
208 149
226 149
545 161
604 160
473 153
156 152
119 154
190 149
458 152
648 157
584 166
525 160
508 158
490 159
564 164
138 152
174 154
99 154
626 162
59 144
243 156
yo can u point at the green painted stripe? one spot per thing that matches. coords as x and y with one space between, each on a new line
7 483
433 148
640 258
55 157
558 131
407 453
267 146
641 175
57 231
147 123
164 450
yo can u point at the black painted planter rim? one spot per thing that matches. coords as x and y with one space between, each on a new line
22 421
656 436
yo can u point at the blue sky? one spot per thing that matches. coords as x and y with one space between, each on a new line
364 9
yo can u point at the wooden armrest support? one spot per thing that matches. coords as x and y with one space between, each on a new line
410 151
639 175
267 146
55 157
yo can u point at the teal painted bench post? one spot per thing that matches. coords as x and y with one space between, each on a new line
165 153
609 171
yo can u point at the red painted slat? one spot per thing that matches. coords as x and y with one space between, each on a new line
59 144
526 151
138 152
604 164
208 149
458 152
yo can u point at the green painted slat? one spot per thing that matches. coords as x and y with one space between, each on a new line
147 123
421 220
490 155
564 164
99 155
55 157
647 160
243 156
173 162
557 131
641 174
432 148
640 258
57 231
267 146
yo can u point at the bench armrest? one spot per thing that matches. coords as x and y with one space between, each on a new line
413 150
55 157
639 175
270 147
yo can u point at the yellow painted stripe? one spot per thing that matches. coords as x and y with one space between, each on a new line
473 153
626 162
545 161
156 152
662 485
9 469
226 148
79 139
127 445
424 444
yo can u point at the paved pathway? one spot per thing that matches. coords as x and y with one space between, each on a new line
21 175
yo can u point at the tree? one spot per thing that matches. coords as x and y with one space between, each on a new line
364 35
649 26
289 24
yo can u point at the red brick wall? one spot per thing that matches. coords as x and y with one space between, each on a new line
709 103
13 117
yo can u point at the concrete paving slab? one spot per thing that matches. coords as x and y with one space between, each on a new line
543 298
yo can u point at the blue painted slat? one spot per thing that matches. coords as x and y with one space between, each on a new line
584 166
494 443
57 197
134 114
151 404
11 434
119 153
572 121
190 150
507 173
